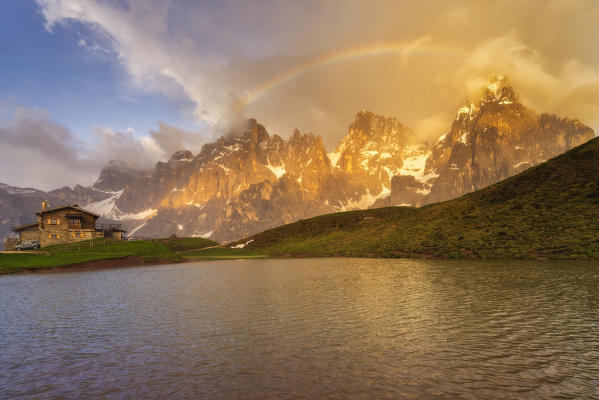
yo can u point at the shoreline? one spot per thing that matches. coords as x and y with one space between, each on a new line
136 261
96 265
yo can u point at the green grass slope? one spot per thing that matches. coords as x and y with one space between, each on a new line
92 250
549 211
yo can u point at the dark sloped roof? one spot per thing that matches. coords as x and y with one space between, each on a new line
73 207
25 227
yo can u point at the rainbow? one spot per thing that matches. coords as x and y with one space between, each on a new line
337 57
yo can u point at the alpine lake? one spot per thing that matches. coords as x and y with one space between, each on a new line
304 329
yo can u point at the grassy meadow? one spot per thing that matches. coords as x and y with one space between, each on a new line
98 249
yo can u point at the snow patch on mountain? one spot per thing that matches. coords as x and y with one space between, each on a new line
137 216
279 170
18 191
521 164
334 157
428 176
136 229
242 245
365 201
108 209
369 153
204 235
467 111
415 162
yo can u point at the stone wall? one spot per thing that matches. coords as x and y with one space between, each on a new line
10 243
55 234
117 235
30 234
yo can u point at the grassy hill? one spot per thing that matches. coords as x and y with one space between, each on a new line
549 211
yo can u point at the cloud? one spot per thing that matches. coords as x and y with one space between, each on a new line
156 57
432 126
170 139
212 53
38 152
141 153
569 87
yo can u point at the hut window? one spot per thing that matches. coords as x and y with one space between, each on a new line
53 221
74 222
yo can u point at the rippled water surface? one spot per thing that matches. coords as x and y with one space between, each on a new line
316 328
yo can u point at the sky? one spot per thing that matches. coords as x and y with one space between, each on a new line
86 81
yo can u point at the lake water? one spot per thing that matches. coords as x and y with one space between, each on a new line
315 328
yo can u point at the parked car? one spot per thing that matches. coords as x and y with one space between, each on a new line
28 245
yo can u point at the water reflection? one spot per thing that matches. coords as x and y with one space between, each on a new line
320 328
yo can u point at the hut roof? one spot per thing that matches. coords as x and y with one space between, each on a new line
73 207
25 227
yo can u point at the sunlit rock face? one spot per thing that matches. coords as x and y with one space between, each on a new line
375 150
249 180
495 139
242 183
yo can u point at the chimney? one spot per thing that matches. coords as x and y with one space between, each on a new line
44 204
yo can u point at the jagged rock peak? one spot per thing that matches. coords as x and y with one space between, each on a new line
115 167
497 91
369 127
255 132
369 122
182 155
306 138
116 175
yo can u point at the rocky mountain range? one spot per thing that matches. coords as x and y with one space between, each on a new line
250 181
